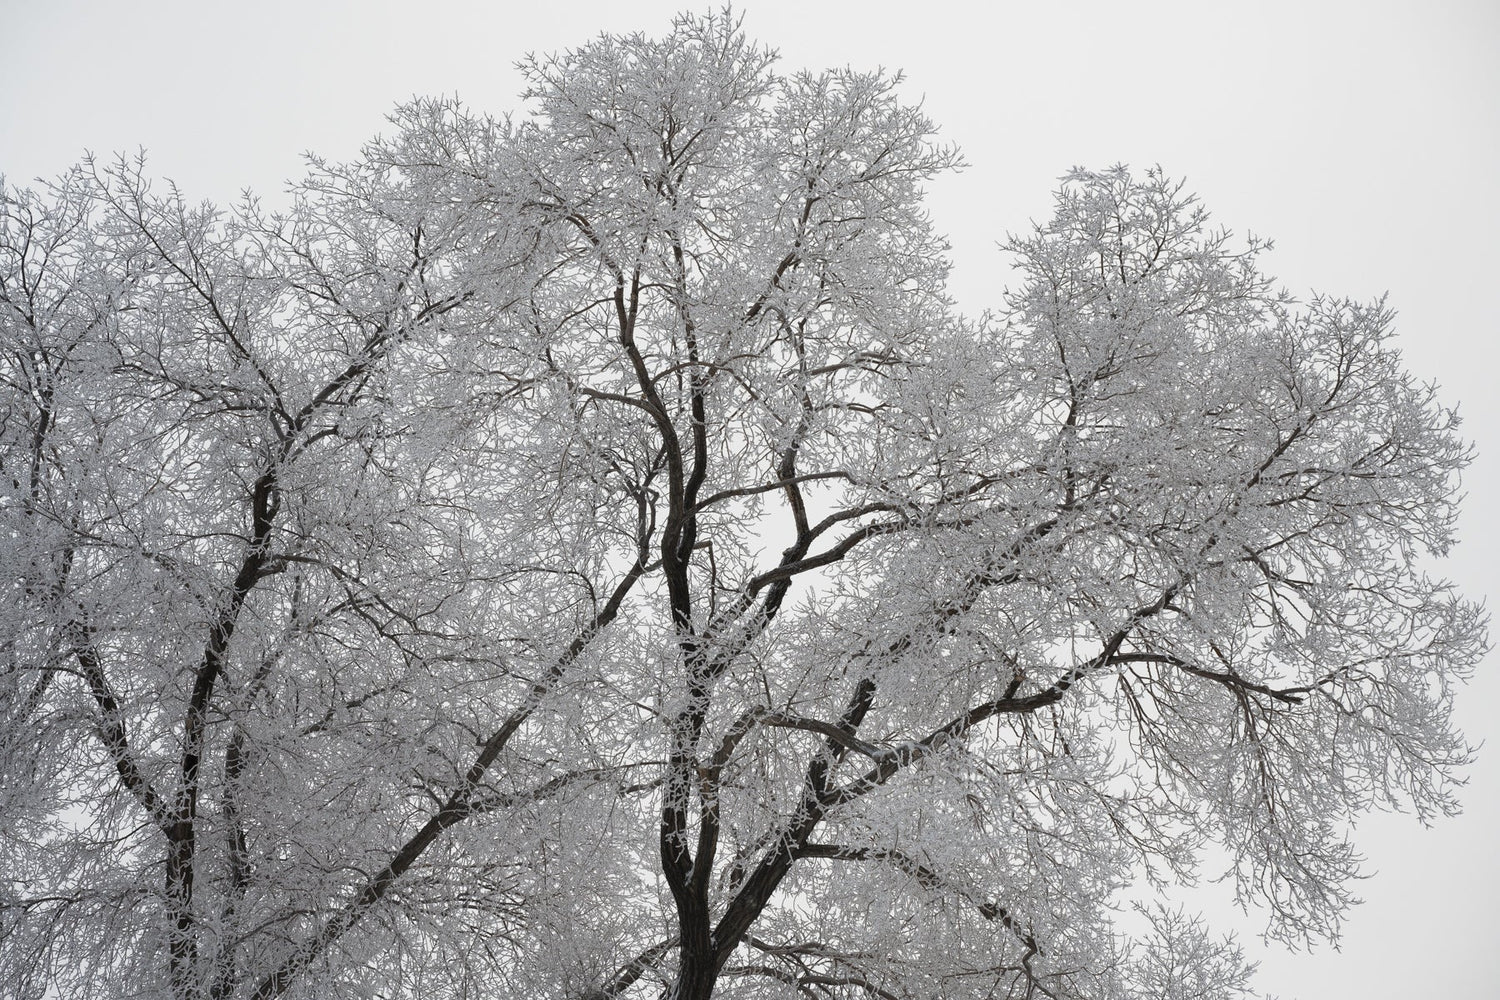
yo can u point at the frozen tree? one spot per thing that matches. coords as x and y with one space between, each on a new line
586 555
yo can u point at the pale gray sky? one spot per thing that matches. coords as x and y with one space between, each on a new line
1362 137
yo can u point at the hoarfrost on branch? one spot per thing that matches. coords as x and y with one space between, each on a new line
586 555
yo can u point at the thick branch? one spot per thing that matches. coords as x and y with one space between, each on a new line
632 971
459 806
903 756
1290 696
927 877
113 733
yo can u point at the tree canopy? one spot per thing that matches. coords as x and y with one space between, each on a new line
586 554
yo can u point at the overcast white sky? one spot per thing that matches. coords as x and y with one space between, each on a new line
1362 137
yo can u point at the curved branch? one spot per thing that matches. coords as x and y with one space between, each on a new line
909 753
1290 696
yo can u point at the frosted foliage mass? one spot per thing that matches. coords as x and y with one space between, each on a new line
585 554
